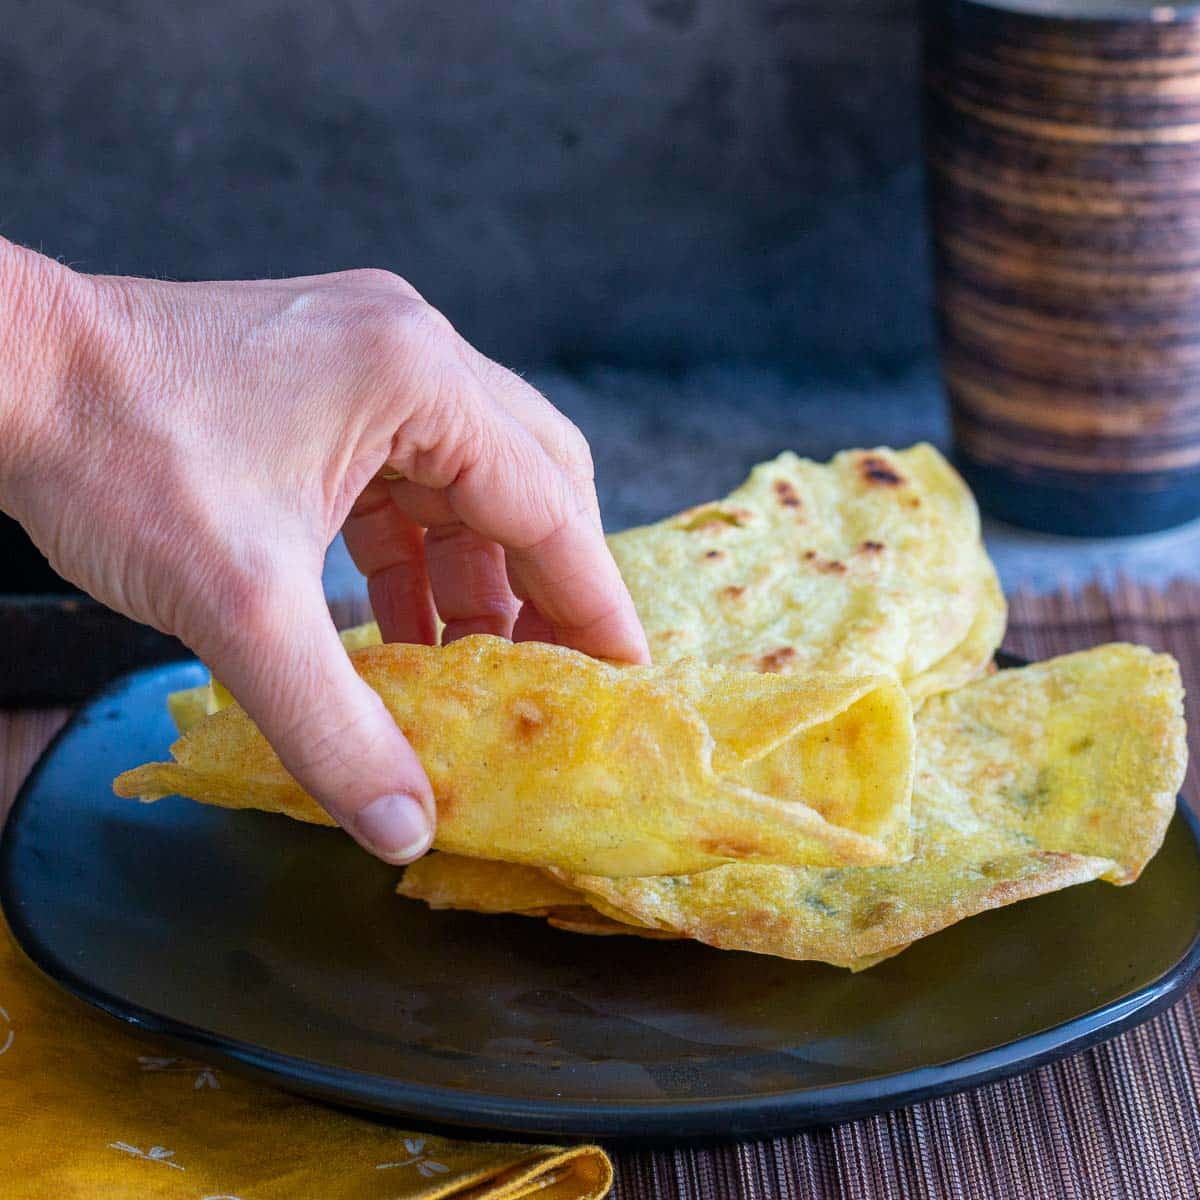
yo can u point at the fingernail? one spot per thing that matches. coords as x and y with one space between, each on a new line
394 828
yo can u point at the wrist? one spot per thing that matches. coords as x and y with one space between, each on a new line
44 313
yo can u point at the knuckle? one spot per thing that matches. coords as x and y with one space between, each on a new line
448 541
365 301
576 451
423 324
550 512
442 439
379 279
378 327
405 339
242 603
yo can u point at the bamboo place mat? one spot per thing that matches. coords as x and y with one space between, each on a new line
1120 1120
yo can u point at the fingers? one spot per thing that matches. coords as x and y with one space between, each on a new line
404 563
469 581
486 461
287 668
569 580
555 433
499 482
389 549
531 626
546 571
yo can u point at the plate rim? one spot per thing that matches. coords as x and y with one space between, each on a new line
673 1118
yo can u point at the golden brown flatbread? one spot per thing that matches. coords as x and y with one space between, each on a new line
870 563
539 754
1027 781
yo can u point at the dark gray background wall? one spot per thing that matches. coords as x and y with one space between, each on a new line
643 182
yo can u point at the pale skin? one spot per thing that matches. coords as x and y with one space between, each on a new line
186 452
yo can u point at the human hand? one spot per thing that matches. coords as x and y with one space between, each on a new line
194 448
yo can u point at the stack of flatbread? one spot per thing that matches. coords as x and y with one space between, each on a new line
822 763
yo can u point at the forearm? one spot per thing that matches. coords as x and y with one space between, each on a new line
44 313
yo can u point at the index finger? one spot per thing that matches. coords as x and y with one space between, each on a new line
571 579
510 491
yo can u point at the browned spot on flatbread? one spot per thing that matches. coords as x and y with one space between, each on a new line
733 592
527 718
711 519
775 661
764 925
878 472
828 566
850 729
787 494
730 847
871 547
711 554
869 915
444 801
1008 890
583 919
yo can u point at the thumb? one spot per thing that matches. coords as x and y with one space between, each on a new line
290 672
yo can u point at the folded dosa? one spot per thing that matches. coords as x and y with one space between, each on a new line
1027 782
539 754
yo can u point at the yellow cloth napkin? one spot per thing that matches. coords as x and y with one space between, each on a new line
88 1111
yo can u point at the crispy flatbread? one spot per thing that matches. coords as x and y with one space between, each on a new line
539 754
870 563
480 885
585 919
1027 781
477 885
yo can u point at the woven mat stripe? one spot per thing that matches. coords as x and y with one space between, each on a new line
21 743
1072 1087
1181 1031
951 1149
1152 1089
1118 1121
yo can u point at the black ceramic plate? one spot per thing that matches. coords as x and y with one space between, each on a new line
280 948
